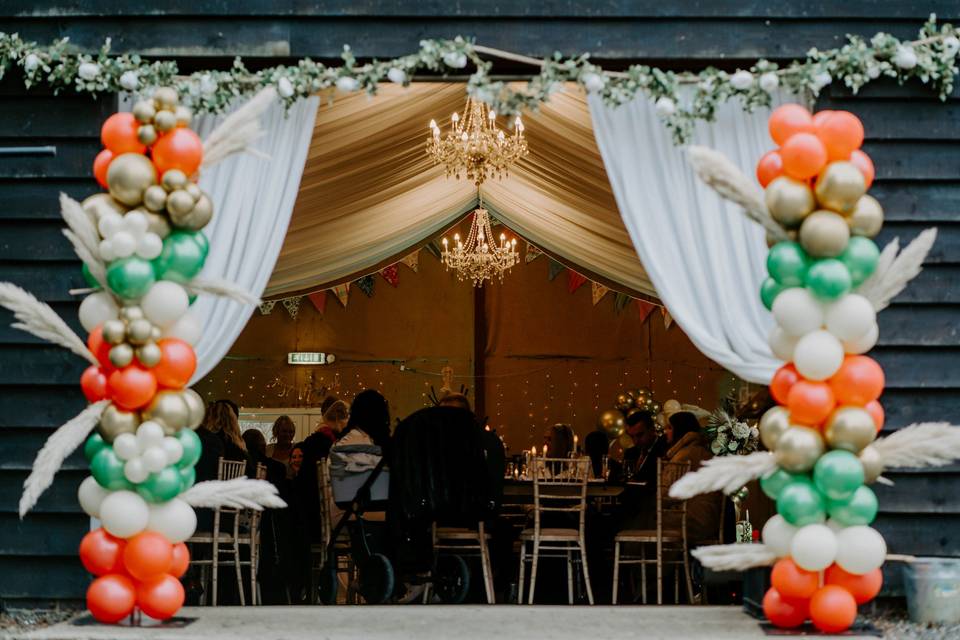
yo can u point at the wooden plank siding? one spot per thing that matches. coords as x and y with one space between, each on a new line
913 138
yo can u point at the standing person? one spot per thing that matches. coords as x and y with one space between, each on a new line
283 432
220 436
315 448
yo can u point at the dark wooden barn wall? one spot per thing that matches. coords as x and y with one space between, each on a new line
913 138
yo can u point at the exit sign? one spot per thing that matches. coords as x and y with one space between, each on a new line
310 357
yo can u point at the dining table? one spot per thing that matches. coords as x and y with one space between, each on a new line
520 490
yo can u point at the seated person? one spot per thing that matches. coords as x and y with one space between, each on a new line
687 445
596 445
640 460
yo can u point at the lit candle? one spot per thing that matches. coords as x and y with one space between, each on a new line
575 441
533 451
544 451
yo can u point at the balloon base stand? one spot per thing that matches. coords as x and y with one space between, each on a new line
136 620
859 630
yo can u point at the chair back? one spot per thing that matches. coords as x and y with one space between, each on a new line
667 474
325 491
261 471
231 469
560 485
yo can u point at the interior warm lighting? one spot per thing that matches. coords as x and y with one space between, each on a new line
479 259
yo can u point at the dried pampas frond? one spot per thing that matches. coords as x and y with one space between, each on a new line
84 237
894 272
58 446
726 179
238 130
927 444
39 319
734 557
723 473
224 288
239 493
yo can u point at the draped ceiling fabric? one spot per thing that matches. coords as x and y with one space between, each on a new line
369 193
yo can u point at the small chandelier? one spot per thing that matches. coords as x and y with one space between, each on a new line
475 146
478 259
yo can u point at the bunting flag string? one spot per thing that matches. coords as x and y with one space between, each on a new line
645 308
554 269
533 252
667 318
598 291
413 261
292 305
391 274
319 300
342 291
620 301
365 284
574 280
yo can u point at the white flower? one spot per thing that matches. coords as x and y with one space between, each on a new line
665 107
742 80
455 59
820 80
741 431
207 84
31 63
706 85
88 70
873 71
397 75
769 81
130 80
284 87
905 57
347 84
593 82
951 45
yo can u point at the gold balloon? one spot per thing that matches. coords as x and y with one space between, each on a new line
131 313
184 116
147 134
839 186
169 410
867 217
199 216
156 334
144 111
789 201
195 406
101 203
174 179
166 98
139 331
179 204
625 441
612 422
824 234
155 198
194 190
623 402
798 449
149 355
121 355
772 425
850 428
115 421
129 176
652 407
159 224
165 120
114 331
872 463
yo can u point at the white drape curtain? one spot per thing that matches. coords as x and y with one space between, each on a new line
705 259
253 199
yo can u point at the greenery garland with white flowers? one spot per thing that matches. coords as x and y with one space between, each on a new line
932 59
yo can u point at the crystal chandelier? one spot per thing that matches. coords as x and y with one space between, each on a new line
475 146
478 259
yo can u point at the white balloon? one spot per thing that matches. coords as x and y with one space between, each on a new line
850 317
860 549
96 309
174 519
135 471
863 343
797 311
814 547
165 303
818 355
126 447
124 514
187 328
149 246
91 496
109 224
782 343
149 434
135 223
172 449
834 526
123 244
778 534
106 250
154 458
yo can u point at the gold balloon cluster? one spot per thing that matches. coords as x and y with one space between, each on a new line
129 176
132 335
627 403
172 410
186 204
160 114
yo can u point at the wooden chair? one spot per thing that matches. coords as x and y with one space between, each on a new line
668 536
559 487
342 549
473 542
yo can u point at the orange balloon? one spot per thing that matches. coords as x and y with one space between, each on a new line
93 382
841 133
785 613
101 553
178 149
803 156
148 555
769 167
110 598
863 588
863 162
181 560
100 348
833 609
810 402
100 165
875 409
160 597
820 116
859 381
132 387
178 361
791 581
788 120
119 134
783 380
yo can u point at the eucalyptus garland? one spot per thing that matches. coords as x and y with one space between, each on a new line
932 59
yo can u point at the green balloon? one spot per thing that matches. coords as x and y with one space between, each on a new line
161 486
829 279
182 257
769 291
88 277
191 448
860 257
93 445
773 483
801 504
187 477
107 469
787 263
131 277
860 509
838 474
204 243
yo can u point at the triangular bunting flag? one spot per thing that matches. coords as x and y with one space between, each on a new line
391 274
292 305
342 291
266 307
365 284
597 290
574 280
434 248
412 261
319 300
532 253
645 309
554 269
667 318
620 301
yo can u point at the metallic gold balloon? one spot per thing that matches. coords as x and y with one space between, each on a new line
114 331
164 121
798 449
199 216
789 201
184 116
772 425
839 186
101 203
194 190
195 405
174 179
850 428
149 355
179 204
159 224
170 410
652 407
166 98
867 217
139 331
155 198
131 313
156 334
872 463
129 176
623 402
115 421
144 111
612 422
625 441
147 134
121 355
824 234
